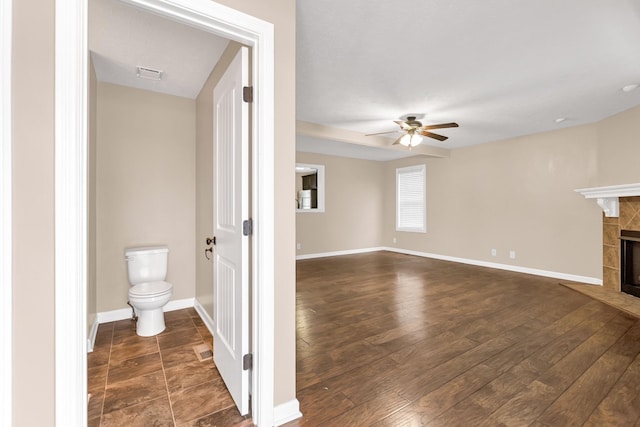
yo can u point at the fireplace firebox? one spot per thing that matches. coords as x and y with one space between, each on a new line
630 262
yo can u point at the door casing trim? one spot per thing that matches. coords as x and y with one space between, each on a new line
6 219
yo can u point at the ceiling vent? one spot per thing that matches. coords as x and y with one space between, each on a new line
149 73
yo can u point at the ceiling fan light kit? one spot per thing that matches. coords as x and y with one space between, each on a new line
413 131
410 140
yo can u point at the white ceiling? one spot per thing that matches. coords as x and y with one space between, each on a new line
499 68
122 37
308 144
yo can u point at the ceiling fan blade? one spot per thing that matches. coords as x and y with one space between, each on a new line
402 124
382 133
440 126
433 135
397 141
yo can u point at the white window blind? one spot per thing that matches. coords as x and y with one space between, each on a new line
411 212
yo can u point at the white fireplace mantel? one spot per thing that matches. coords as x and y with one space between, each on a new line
608 198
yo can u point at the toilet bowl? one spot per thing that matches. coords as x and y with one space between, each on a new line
148 300
149 293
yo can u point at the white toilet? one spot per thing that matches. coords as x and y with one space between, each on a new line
149 293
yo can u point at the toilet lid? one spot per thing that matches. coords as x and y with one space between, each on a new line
149 289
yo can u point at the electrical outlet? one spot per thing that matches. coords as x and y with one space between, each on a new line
395 240
512 254
298 246
494 252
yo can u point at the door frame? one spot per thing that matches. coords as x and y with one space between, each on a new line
6 240
71 59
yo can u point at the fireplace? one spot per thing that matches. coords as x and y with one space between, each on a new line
620 235
630 262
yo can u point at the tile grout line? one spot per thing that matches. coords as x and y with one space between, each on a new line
200 334
193 322
204 341
106 377
166 383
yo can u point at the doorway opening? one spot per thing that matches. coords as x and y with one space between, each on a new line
71 197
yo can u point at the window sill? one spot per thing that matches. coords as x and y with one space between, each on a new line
314 210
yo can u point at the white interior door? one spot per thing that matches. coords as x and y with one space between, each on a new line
231 250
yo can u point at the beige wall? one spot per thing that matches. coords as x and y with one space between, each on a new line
619 148
514 195
353 206
145 187
511 195
33 220
518 195
204 179
92 290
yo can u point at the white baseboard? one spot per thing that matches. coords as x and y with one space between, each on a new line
114 315
91 340
338 253
286 412
208 321
125 313
515 268
179 304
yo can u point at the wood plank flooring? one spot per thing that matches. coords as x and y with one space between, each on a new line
386 339
617 299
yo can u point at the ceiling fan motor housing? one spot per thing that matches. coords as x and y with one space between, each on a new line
411 121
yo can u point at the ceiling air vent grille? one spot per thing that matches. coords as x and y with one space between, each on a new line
148 73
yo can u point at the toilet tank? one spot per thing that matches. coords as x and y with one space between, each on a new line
146 264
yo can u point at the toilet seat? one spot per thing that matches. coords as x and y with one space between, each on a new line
150 289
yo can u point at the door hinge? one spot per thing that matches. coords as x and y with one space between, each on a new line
247 362
247 227
247 94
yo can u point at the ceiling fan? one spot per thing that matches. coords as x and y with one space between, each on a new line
413 131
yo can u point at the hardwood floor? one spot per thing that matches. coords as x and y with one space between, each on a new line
617 299
386 339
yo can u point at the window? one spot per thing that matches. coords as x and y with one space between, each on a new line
411 210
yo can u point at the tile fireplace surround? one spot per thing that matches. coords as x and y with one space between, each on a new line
621 211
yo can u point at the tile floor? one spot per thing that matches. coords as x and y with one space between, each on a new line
157 381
